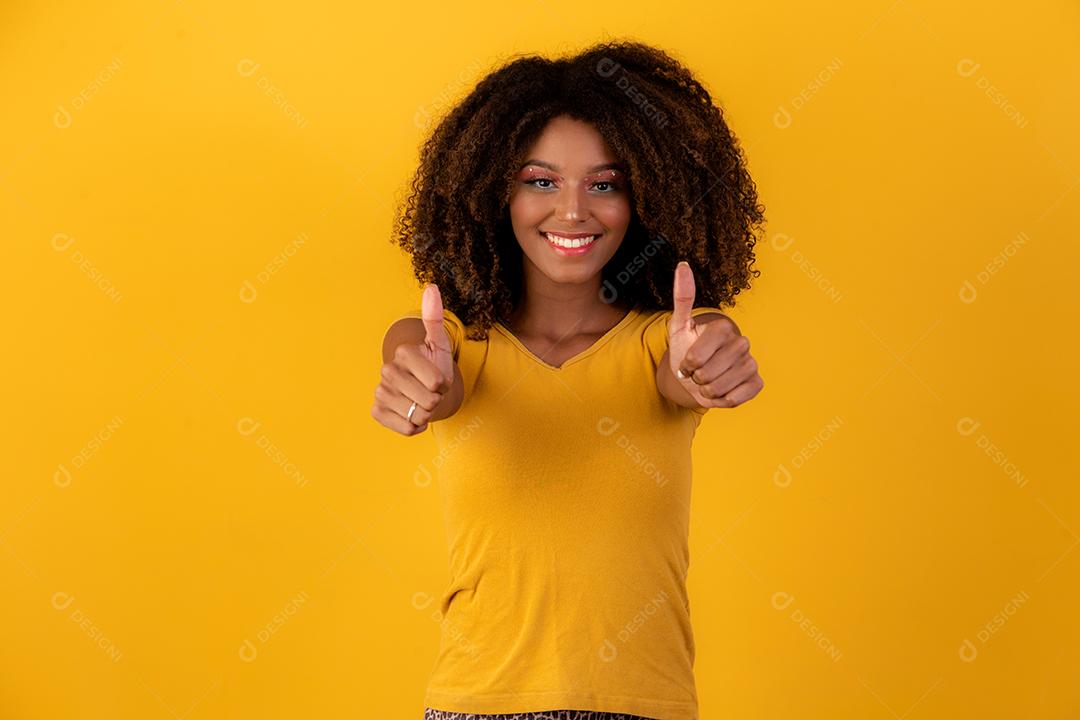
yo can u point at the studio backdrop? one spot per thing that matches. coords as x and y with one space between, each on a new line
199 517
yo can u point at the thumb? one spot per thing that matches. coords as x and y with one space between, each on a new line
431 310
683 297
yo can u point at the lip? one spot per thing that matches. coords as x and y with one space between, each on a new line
569 235
572 252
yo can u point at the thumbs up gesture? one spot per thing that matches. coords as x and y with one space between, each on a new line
710 360
420 373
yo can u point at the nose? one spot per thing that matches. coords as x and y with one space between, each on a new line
569 206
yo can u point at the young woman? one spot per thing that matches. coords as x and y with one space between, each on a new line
566 217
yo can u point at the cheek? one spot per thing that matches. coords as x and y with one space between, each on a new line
527 209
615 213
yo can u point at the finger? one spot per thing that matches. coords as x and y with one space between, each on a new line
431 311
412 361
683 298
743 392
394 421
741 371
400 404
405 382
722 352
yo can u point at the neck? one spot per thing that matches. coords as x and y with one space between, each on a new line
555 310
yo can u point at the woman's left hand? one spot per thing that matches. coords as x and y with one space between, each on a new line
709 356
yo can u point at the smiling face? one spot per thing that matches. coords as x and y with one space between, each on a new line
572 186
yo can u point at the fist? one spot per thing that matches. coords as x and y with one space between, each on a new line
419 374
710 360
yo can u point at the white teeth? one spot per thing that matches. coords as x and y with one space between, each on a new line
568 243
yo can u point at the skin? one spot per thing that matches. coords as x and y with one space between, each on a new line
560 189
566 186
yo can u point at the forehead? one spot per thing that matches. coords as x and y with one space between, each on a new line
571 144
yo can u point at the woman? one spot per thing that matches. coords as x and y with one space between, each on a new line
567 215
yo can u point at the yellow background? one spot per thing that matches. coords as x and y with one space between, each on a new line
200 518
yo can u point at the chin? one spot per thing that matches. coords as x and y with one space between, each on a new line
571 278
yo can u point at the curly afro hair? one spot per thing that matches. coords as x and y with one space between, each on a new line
691 195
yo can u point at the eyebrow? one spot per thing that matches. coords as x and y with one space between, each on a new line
556 168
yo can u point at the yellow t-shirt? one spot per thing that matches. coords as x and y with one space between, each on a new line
566 497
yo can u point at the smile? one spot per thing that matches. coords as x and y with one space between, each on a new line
570 246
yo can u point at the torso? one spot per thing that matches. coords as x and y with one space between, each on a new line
551 602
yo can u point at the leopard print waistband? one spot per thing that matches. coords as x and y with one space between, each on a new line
433 714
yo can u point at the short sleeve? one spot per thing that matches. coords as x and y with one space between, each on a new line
454 328
655 337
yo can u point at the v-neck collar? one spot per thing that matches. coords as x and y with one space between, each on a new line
600 342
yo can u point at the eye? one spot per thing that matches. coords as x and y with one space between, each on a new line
611 186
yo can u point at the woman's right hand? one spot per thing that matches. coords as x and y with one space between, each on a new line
418 372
